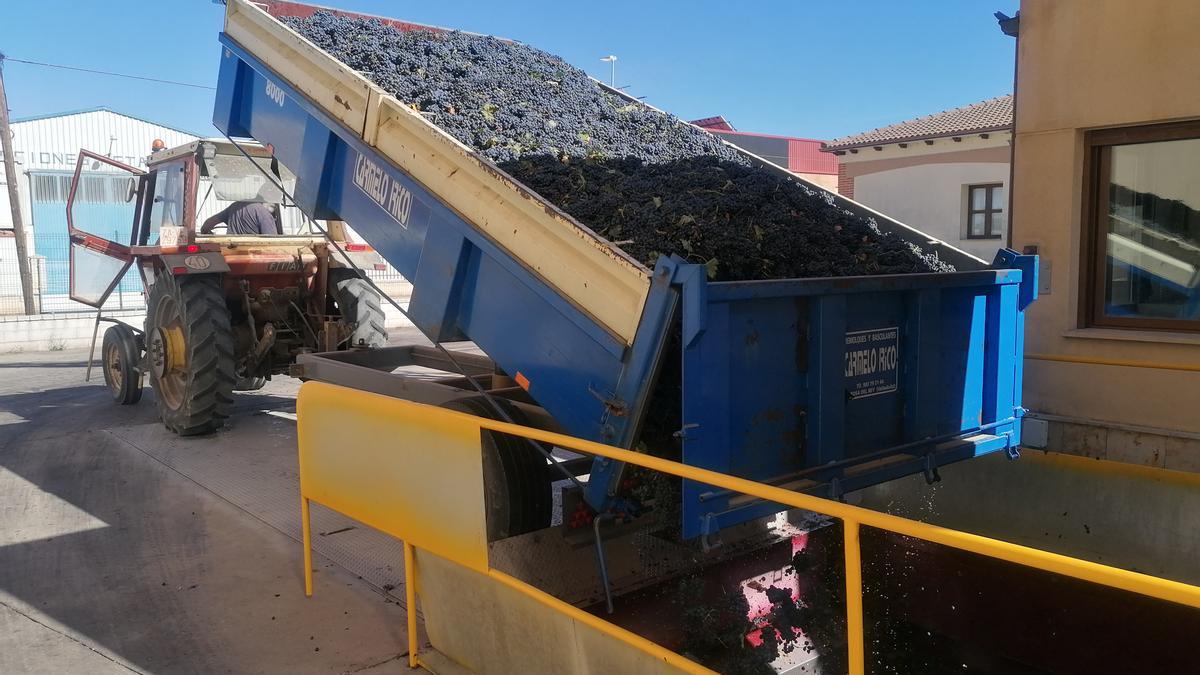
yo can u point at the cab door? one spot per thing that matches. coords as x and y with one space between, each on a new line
104 203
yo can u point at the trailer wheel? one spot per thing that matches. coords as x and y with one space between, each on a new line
120 354
250 383
190 352
359 307
517 491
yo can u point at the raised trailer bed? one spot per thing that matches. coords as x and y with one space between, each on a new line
823 385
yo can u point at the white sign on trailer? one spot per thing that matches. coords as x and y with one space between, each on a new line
872 362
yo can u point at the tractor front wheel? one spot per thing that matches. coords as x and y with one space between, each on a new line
120 354
189 346
360 308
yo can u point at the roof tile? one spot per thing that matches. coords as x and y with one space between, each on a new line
994 114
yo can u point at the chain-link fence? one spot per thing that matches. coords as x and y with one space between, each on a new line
50 268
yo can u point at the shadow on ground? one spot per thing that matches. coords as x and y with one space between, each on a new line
105 547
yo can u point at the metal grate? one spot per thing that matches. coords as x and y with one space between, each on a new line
93 189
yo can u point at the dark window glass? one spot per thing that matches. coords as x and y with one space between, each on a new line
1145 271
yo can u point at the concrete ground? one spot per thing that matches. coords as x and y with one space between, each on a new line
126 548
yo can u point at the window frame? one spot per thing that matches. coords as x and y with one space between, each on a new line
988 209
1097 172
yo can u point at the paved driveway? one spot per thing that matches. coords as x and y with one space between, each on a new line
125 548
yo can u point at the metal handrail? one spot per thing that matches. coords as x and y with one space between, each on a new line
431 422
853 517
1127 363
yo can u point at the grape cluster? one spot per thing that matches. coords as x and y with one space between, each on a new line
647 181
742 221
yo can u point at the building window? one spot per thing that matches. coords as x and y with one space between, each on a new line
1143 217
985 211
93 188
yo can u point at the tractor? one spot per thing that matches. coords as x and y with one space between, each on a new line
224 312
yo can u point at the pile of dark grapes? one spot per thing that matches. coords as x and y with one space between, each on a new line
646 181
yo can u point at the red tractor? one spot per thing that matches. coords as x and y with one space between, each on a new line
225 312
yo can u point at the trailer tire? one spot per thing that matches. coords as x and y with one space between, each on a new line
190 352
120 355
360 308
250 383
517 489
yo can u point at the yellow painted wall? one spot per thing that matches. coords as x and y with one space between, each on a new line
1088 64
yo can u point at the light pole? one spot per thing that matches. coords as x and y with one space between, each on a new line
612 82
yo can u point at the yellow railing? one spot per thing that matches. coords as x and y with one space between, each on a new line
1124 363
330 415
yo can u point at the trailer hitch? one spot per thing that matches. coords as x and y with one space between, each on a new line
601 562
1010 450
932 475
836 491
708 530
612 403
682 433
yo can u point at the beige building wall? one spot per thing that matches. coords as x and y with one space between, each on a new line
829 181
925 186
933 199
1091 64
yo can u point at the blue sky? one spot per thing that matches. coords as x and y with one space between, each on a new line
811 68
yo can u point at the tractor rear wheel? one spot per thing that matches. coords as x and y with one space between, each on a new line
516 485
190 351
120 354
360 308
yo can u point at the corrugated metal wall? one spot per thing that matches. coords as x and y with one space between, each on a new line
805 156
52 144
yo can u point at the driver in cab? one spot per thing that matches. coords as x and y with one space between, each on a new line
255 217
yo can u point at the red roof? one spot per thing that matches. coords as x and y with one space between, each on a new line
717 123
994 114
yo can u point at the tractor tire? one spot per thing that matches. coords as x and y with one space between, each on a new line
250 383
516 485
189 344
360 308
119 356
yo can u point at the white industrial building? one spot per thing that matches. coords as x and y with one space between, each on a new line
45 149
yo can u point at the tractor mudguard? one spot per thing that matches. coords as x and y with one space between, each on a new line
179 264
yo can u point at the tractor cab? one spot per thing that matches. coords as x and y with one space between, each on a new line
166 203
225 311
193 181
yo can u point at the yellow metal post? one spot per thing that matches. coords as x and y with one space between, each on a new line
855 639
410 601
1125 363
306 526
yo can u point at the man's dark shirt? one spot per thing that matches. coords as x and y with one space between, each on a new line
249 218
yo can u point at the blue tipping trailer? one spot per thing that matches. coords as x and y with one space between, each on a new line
821 385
